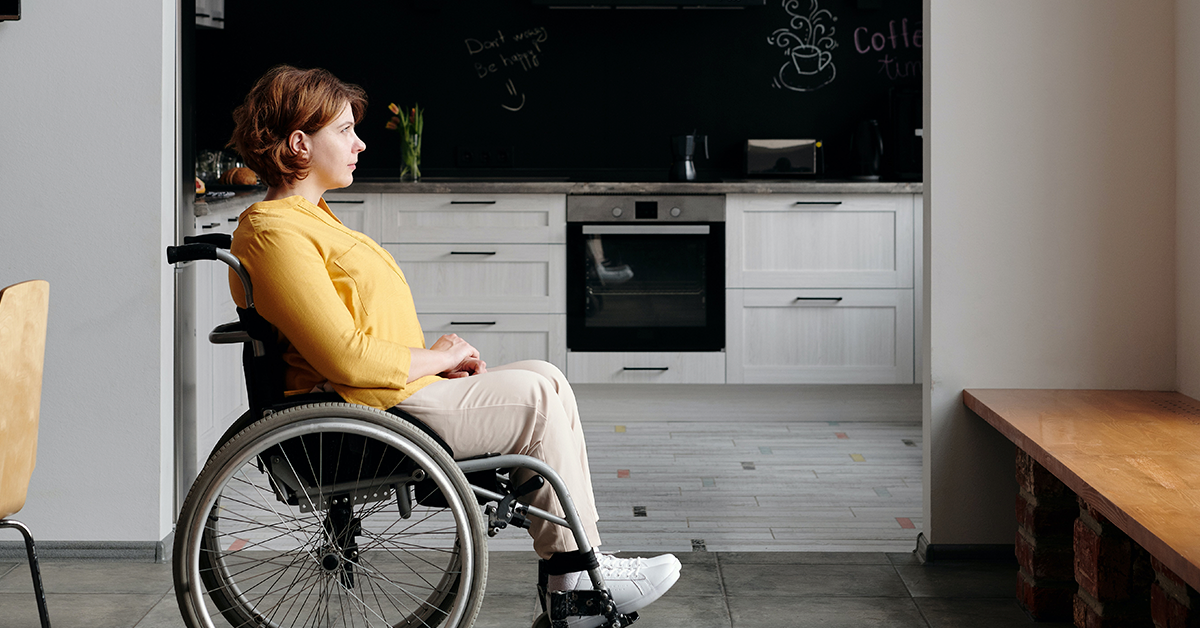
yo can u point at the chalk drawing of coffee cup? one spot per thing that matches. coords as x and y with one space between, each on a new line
810 60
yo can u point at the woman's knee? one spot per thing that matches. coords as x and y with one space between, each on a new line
543 368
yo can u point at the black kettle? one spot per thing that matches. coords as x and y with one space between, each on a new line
866 151
683 148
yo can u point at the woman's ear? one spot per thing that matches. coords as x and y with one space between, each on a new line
298 142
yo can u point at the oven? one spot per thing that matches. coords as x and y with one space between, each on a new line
645 273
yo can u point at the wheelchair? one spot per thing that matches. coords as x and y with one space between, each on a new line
311 511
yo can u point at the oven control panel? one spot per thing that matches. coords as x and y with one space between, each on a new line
646 208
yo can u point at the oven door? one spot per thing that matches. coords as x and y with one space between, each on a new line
646 287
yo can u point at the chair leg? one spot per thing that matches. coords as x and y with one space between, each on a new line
34 570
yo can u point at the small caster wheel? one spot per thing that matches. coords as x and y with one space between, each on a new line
542 621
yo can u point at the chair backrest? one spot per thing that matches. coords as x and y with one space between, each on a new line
23 311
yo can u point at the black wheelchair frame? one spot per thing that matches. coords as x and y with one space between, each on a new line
286 524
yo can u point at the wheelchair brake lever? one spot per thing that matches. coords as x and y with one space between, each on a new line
508 510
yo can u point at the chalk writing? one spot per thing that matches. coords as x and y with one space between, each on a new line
512 90
899 38
499 55
808 46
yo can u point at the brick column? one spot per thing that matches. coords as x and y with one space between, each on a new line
1173 604
1046 512
1113 572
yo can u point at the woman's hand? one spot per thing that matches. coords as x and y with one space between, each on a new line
454 345
470 366
450 357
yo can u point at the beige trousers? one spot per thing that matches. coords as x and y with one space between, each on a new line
520 408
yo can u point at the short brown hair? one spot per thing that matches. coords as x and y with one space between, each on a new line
288 99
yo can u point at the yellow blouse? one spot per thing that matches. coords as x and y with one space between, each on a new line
337 298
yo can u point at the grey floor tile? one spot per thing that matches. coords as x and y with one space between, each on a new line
678 611
977 613
904 558
507 611
960 579
92 576
803 558
824 612
83 610
7 567
512 573
698 579
165 614
812 581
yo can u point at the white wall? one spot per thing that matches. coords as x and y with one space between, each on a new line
87 110
1050 200
1187 192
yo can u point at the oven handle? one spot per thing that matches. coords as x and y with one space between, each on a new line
646 229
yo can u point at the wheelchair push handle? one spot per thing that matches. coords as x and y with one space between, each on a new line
199 247
191 253
212 246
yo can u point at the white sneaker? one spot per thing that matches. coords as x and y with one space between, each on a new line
633 582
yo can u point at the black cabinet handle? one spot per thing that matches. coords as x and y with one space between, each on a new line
647 368
818 202
472 202
358 202
818 298
472 252
472 322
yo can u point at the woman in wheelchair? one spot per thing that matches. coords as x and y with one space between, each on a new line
346 318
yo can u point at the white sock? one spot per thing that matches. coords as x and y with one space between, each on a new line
564 582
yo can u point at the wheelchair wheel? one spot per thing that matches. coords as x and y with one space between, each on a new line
306 518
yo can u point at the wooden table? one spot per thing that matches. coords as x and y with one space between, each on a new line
1132 455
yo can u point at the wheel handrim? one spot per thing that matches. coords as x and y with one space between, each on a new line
279 567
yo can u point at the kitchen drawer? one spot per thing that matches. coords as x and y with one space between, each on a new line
819 241
530 218
699 367
224 222
360 212
504 338
506 278
819 336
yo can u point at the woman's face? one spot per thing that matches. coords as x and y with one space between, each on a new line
333 152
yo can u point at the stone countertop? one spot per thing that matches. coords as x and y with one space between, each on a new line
243 199
562 186
238 202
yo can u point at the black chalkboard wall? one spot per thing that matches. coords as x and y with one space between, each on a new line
590 94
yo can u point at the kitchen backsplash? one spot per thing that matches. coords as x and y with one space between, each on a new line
573 92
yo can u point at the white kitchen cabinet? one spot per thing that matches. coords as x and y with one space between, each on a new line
819 241
780 336
488 267
513 218
210 13
360 212
694 367
820 288
473 277
504 338
220 383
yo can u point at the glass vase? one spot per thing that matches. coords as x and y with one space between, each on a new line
410 158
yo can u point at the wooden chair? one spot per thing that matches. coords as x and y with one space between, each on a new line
23 312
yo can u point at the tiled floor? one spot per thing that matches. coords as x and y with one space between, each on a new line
803 502
716 590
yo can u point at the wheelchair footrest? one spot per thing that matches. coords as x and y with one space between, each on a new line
586 603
